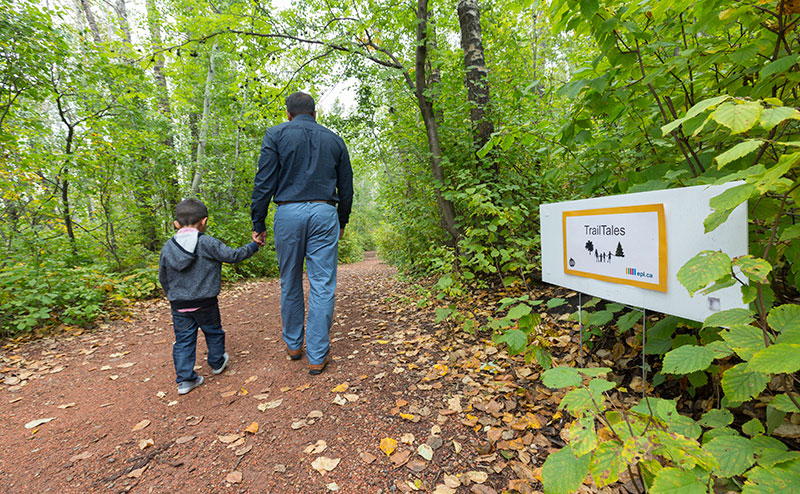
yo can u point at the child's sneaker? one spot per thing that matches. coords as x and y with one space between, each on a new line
221 367
187 386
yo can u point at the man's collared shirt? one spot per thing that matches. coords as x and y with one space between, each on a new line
302 161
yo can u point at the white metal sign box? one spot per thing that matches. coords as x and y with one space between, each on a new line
629 248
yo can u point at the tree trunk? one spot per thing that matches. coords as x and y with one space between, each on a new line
476 78
446 208
202 139
238 121
154 25
87 11
65 209
122 13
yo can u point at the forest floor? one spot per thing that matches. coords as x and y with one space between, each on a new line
405 405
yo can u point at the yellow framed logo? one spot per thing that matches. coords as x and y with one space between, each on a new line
625 245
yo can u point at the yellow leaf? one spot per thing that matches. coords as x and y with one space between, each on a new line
340 388
407 416
252 428
141 425
388 445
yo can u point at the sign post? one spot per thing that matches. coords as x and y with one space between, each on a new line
629 248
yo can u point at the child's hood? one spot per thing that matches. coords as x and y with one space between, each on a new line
180 252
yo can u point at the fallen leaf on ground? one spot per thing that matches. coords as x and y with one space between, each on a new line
521 486
141 425
67 405
324 464
234 477
268 405
351 397
333 486
400 458
279 468
317 448
135 474
243 451
145 443
416 465
303 387
524 472
126 365
425 451
183 439
38 422
81 456
482 489
252 428
172 403
113 377
451 481
249 380
228 394
161 394
194 419
229 438
477 476
105 367
315 414
340 388
367 458
407 438
388 445
299 424
339 400
15 400
443 489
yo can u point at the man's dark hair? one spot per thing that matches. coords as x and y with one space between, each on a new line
299 103
190 211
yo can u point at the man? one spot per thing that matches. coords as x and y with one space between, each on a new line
306 169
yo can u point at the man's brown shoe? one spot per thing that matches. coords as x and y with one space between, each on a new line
295 354
316 369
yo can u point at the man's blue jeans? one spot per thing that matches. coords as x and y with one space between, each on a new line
184 350
310 231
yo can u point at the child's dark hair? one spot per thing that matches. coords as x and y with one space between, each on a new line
190 211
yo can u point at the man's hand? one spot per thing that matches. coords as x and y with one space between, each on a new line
260 238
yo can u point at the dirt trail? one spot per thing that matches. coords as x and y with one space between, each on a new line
100 387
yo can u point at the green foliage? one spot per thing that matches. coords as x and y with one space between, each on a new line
564 472
53 293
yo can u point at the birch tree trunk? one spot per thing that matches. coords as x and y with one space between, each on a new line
446 208
202 138
476 78
87 11
154 25
122 14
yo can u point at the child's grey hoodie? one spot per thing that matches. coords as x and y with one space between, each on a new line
190 268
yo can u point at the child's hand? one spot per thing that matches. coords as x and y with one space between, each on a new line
260 238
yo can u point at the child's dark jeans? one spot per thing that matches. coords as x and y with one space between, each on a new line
184 350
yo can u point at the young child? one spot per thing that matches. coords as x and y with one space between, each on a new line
189 270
